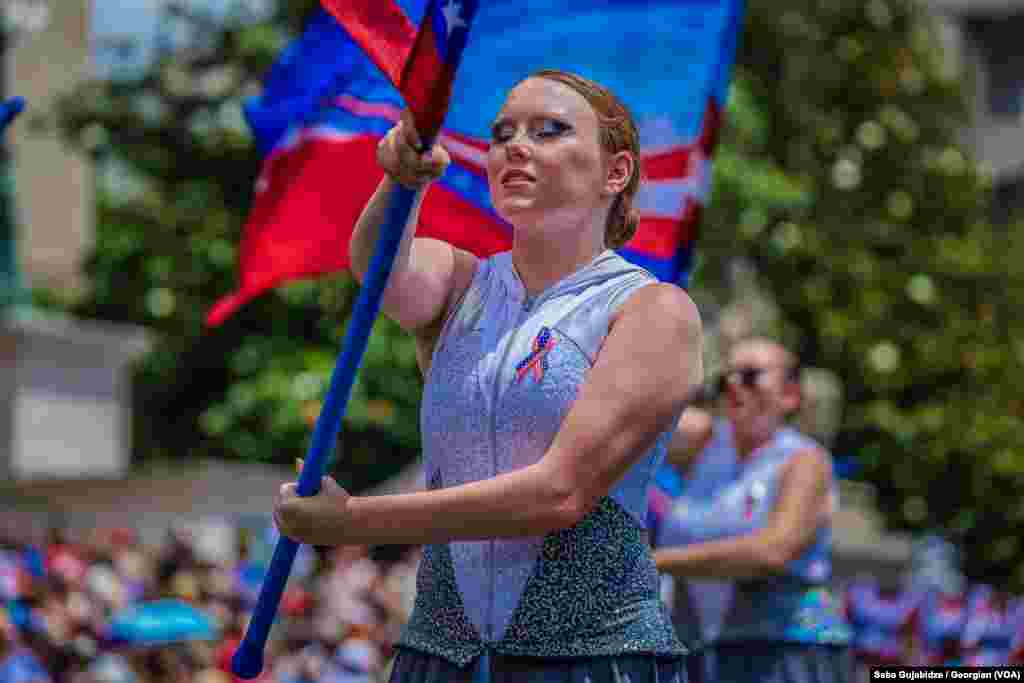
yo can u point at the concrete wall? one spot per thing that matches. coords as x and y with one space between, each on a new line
65 397
154 499
54 192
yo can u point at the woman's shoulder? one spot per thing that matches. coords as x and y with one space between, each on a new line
631 279
801 453
475 273
793 442
662 301
488 269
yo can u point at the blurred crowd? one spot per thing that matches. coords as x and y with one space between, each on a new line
71 611
965 627
936 617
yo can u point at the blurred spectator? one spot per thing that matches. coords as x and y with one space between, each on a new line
346 589
935 570
395 591
1016 615
356 660
989 628
18 664
883 623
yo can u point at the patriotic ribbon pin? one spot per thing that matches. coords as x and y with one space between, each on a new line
537 361
756 493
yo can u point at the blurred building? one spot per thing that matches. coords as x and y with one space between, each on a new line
54 184
63 385
983 44
150 500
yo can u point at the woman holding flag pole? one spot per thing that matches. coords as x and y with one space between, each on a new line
554 373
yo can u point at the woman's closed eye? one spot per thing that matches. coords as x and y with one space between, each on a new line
502 132
550 128
542 129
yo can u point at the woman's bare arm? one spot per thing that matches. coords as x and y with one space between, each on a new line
426 272
802 501
692 434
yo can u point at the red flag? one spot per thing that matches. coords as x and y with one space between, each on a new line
421 64
381 28
310 195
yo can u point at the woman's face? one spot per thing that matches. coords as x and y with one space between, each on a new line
758 395
545 163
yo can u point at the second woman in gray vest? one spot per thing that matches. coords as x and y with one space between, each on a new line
763 532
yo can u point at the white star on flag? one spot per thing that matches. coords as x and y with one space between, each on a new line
453 17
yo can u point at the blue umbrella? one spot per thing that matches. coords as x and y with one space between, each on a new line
162 622
9 110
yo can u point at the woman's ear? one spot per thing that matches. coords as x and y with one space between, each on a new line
620 171
792 397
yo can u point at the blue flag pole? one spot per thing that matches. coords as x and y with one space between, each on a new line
247 662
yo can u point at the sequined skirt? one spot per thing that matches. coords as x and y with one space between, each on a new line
412 666
767 662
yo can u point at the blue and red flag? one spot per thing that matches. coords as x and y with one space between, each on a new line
420 63
337 89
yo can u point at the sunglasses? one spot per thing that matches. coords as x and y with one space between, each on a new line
746 377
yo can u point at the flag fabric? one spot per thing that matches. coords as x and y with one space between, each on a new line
339 87
421 64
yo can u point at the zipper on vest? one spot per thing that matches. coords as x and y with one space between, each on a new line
491 550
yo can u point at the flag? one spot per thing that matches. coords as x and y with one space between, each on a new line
420 63
340 86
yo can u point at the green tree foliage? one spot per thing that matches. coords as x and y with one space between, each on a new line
177 166
891 273
840 176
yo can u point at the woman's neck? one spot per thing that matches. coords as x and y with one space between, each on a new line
747 444
541 262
